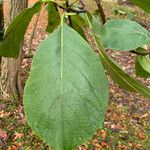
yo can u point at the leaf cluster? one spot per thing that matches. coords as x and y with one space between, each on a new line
66 95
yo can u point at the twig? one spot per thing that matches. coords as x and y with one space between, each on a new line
68 10
71 4
81 10
78 11
18 76
140 53
83 3
26 56
101 10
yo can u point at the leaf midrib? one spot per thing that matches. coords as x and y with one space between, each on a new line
61 82
62 57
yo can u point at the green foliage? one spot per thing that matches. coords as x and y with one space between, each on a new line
10 45
53 17
140 71
78 24
121 78
66 94
122 34
142 64
144 4
97 26
117 74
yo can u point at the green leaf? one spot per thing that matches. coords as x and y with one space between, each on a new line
79 21
97 26
121 78
53 17
78 24
66 95
117 74
82 15
121 34
96 13
144 4
144 61
10 46
142 65
140 71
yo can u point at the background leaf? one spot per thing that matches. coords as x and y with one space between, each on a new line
144 4
53 17
66 95
10 45
121 78
144 61
142 65
121 34
117 74
140 71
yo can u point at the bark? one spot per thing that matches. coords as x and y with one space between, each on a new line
10 82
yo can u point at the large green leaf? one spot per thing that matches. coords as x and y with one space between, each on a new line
144 4
53 17
10 45
66 95
121 34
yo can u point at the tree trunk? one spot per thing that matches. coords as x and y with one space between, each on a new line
10 82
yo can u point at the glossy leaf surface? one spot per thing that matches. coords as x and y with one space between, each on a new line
14 35
122 34
66 95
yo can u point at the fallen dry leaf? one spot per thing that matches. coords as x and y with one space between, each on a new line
18 135
3 134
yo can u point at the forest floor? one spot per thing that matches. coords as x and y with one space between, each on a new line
127 123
